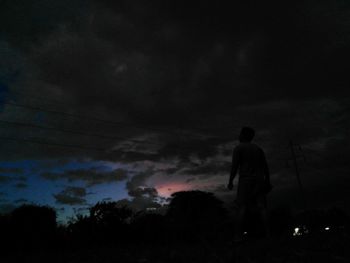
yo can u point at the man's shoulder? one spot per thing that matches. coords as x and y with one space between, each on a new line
248 147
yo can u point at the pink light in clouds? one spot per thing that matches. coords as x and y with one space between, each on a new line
165 190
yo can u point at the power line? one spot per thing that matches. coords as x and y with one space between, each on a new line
179 147
64 145
30 125
37 98
78 116
52 143
53 102
36 108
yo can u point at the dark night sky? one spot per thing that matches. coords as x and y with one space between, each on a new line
174 82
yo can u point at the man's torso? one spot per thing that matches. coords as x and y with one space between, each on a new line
250 161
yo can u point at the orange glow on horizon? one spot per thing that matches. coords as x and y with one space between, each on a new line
166 190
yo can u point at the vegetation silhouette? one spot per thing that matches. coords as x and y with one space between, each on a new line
195 228
106 223
196 214
149 228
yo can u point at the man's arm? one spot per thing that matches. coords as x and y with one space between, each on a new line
234 168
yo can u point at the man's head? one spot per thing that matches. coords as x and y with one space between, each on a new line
247 134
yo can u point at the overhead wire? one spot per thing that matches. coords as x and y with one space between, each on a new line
41 109
73 115
51 143
30 125
180 147
79 117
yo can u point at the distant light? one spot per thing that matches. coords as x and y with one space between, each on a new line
297 232
244 233
326 228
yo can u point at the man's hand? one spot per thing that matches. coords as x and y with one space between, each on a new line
230 186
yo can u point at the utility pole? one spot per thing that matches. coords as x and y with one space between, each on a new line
297 173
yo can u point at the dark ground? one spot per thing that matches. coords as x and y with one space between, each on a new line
320 248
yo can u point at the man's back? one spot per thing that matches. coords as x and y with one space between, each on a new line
250 160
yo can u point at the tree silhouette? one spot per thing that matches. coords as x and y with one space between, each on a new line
110 214
111 221
149 227
195 214
33 225
82 231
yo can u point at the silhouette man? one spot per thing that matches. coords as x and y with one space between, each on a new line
249 161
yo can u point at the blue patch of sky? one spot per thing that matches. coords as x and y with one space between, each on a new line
97 193
40 191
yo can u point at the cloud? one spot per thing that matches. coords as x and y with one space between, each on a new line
209 169
188 76
21 185
19 27
69 200
178 75
90 176
72 195
5 170
5 179
139 203
143 192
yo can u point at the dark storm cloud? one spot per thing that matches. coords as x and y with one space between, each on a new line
177 64
174 146
5 170
71 196
21 178
190 180
143 191
4 179
139 203
205 69
21 185
127 54
29 21
173 54
209 169
184 147
142 196
138 180
63 198
3 198
91 176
